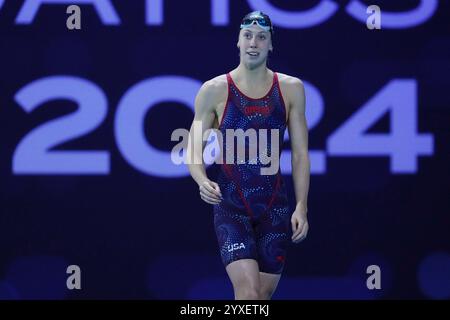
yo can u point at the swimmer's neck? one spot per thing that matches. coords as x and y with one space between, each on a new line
256 76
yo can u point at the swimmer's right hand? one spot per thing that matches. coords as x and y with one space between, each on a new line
210 192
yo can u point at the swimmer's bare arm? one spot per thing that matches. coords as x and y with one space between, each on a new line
205 103
298 134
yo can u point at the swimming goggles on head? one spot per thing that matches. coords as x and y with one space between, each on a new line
259 20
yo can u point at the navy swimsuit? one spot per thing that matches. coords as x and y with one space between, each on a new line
253 219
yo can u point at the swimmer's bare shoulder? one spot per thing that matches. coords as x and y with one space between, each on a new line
211 99
288 85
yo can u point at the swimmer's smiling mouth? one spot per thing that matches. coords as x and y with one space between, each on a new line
253 53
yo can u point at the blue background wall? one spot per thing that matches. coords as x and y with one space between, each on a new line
86 118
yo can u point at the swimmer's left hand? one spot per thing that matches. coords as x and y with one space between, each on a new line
299 222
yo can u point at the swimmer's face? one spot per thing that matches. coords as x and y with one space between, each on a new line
254 44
